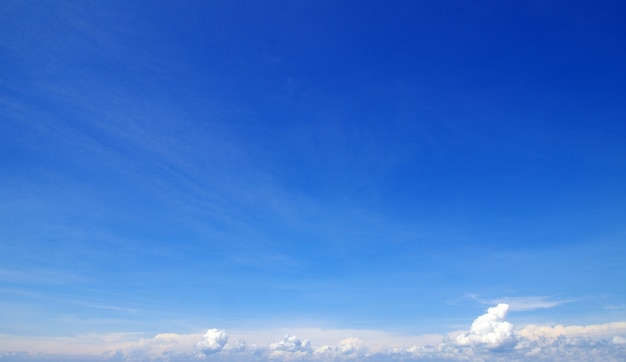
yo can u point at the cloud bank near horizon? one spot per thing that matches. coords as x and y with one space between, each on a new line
490 338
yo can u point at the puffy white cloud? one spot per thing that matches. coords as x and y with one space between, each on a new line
164 346
489 338
346 349
290 347
490 330
239 346
291 344
213 341
569 349
350 345
373 339
606 330
618 340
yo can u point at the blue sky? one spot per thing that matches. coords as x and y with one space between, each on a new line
348 165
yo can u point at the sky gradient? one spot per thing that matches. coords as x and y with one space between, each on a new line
337 168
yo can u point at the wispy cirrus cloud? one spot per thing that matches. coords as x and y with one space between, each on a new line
38 276
528 303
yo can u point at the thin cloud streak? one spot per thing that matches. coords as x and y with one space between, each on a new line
519 304
39 276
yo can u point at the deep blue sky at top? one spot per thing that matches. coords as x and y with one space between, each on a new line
363 163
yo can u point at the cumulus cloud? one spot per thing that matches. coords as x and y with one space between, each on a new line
239 346
163 346
489 338
290 347
606 330
490 330
346 349
350 345
618 340
564 348
213 341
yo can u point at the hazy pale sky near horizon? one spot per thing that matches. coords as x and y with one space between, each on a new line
397 166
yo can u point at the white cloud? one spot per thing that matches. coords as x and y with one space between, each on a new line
84 344
161 346
489 338
530 303
490 330
374 339
239 346
618 340
350 345
569 349
517 304
347 348
213 341
290 347
607 330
